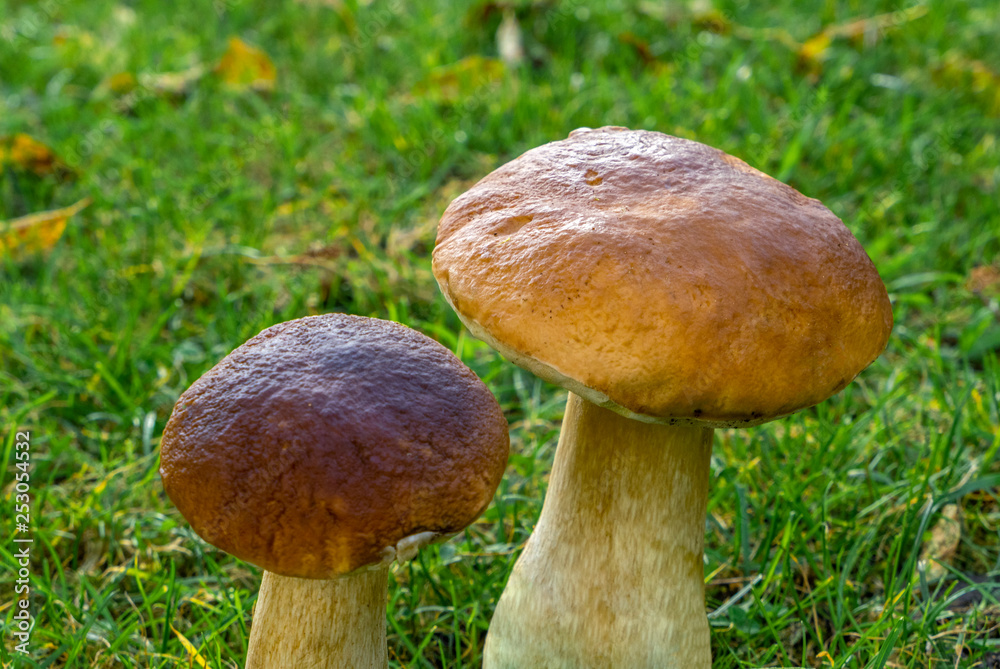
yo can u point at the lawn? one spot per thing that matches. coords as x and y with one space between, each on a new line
226 196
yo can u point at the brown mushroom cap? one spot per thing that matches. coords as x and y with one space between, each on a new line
322 444
663 279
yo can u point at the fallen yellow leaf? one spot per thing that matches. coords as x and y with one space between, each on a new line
37 232
244 66
193 653
812 52
814 48
27 153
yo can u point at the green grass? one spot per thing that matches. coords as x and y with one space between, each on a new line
205 203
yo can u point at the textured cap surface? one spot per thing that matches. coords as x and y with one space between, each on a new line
662 278
333 442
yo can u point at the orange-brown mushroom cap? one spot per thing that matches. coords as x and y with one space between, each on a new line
662 278
317 446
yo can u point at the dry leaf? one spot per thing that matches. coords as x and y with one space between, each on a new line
172 84
450 83
940 548
813 51
37 232
640 45
28 154
712 20
131 89
984 282
509 43
318 257
244 66
870 28
192 651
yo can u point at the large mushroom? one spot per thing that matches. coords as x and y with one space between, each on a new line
672 289
321 450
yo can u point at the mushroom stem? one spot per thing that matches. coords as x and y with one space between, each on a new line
613 575
315 624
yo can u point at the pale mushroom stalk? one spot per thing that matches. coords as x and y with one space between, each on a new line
303 622
340 622
613 573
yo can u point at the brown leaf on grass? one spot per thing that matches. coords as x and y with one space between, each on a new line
479 13
36 232
244 66
26 153
640 46
712 20
450 83
867 31
940 547
323 256
95 551
984 281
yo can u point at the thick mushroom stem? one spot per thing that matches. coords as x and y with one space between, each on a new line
314 624
613 575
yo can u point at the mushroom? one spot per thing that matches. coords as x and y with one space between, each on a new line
672 289
321 450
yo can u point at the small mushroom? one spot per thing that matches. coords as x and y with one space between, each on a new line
321 450
672 289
